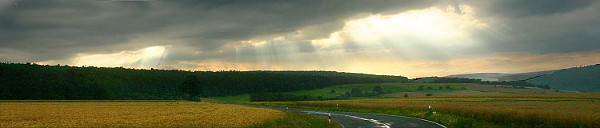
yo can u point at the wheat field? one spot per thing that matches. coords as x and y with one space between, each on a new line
132 114
513 112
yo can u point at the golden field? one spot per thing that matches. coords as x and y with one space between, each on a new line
132 114
518 111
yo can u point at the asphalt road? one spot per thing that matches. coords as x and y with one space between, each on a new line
368 120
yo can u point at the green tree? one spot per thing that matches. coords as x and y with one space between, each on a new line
378 90
191 86
356 92
421 88
430 87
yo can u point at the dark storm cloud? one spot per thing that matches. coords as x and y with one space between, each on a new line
59 29
555 26
56 29
527 8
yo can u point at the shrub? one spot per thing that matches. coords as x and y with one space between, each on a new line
421 88
378 90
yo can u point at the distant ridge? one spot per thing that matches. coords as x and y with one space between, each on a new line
501 76
482 76
585 78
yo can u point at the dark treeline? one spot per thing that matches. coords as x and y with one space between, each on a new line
44 82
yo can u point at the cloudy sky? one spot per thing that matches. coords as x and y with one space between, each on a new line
413 38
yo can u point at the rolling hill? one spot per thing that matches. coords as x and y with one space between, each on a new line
586 78
501 76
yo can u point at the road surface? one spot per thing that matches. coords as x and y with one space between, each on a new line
368 120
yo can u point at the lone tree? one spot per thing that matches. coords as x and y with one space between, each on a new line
356 92
378 90
191 86
429 87
421 88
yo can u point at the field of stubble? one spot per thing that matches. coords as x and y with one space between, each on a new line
132 114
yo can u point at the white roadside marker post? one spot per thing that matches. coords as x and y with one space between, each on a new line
329 118
430 111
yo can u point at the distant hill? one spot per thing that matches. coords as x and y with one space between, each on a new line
523 76
585 79
481 76
501 76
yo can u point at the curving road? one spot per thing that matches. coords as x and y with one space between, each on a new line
368 120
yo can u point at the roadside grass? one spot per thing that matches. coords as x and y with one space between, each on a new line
144 114
476 112
297 120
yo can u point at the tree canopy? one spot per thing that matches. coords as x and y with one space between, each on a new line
46 82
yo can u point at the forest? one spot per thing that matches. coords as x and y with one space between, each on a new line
55 82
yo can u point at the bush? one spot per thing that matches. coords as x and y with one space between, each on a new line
429 87
421 88
428 94
356 92
378 90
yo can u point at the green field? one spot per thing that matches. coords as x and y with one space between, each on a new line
387 87
390 90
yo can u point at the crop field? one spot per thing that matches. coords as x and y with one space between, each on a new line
562 110
133 114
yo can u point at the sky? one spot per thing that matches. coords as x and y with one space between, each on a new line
413 38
